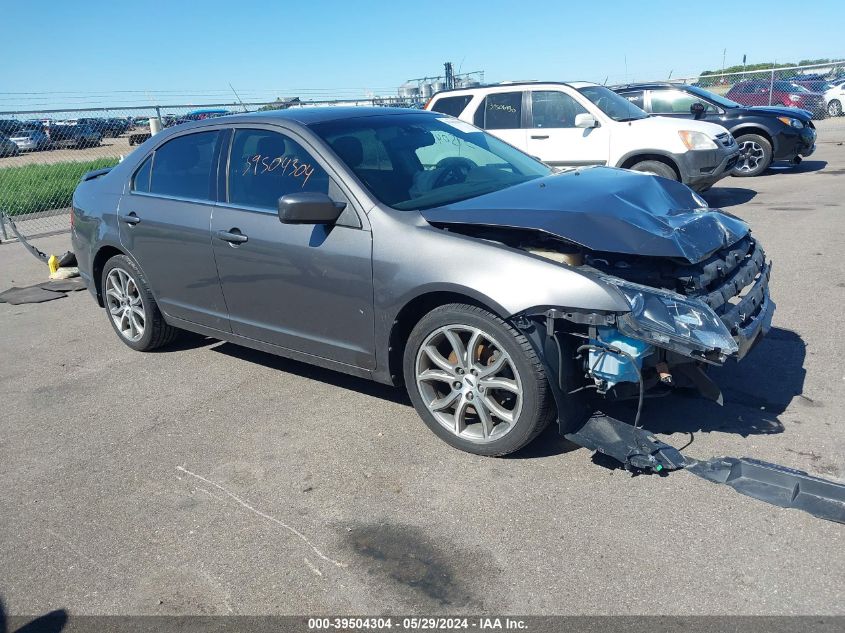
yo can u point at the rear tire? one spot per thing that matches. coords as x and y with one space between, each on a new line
656 168
132 310
834 108
497 385
755 156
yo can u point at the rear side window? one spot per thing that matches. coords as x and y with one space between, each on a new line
265 165
635 97
554 109
453 106
141 180
501 111
183 167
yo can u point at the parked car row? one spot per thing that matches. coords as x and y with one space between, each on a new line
765 134
35 136
680 132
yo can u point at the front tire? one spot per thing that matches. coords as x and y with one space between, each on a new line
476 381
834 108
656 168
132 310
755 156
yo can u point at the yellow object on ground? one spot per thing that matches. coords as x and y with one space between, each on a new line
53 263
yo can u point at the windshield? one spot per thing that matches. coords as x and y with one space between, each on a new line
712 96
420 161
616 107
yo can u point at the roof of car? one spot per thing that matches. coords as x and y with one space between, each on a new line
510 84
648 85
310 116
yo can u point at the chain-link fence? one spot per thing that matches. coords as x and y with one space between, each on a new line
43 154
817 88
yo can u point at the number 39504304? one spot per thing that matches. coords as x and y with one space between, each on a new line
258 164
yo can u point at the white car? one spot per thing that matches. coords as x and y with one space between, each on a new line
579 123
834 98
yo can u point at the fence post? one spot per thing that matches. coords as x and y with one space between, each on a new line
771 86
3 236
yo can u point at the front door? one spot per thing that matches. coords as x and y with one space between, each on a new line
553 137
304 287
678 104
164 225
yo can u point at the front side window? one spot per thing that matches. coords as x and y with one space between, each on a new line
266 165
433 161
675 102
453 106
554 109
183 167
502 111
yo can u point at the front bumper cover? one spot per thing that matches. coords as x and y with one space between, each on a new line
700 169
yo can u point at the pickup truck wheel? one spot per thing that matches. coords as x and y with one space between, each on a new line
132 311
656 168
834 108
476 381
755 156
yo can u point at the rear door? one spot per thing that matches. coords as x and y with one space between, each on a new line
164 224
502 114
304 287
553 137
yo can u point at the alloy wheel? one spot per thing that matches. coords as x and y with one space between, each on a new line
125 305
469 383
750 156
834 108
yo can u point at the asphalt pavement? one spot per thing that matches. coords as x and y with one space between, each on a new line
212 479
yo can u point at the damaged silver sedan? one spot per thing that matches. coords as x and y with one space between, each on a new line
414 249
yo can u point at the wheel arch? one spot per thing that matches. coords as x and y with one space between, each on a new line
415 309
632 159
104 254
754 128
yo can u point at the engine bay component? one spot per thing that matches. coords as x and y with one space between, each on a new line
608 368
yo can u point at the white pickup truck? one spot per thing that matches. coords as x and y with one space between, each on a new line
581 123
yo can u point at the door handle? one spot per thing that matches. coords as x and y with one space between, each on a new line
233 236
131 219
540 138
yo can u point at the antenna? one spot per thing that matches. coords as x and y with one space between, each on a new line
238 97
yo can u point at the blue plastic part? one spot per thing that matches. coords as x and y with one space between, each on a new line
614 368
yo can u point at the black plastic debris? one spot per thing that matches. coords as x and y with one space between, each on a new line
31 294
778 485
64 285
637 449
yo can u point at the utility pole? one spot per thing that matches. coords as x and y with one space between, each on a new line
450 75
724 54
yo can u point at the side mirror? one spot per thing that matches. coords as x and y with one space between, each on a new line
697 109
309 208
585 120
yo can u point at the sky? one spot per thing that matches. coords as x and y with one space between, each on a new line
66 53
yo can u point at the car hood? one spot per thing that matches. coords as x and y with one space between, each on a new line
656 124
773 111
604 209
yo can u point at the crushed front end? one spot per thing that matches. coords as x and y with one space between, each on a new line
683 317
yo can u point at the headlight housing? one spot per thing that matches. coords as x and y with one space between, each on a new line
696 140
674 322
791 122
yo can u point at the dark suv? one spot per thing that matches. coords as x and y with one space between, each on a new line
764 133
